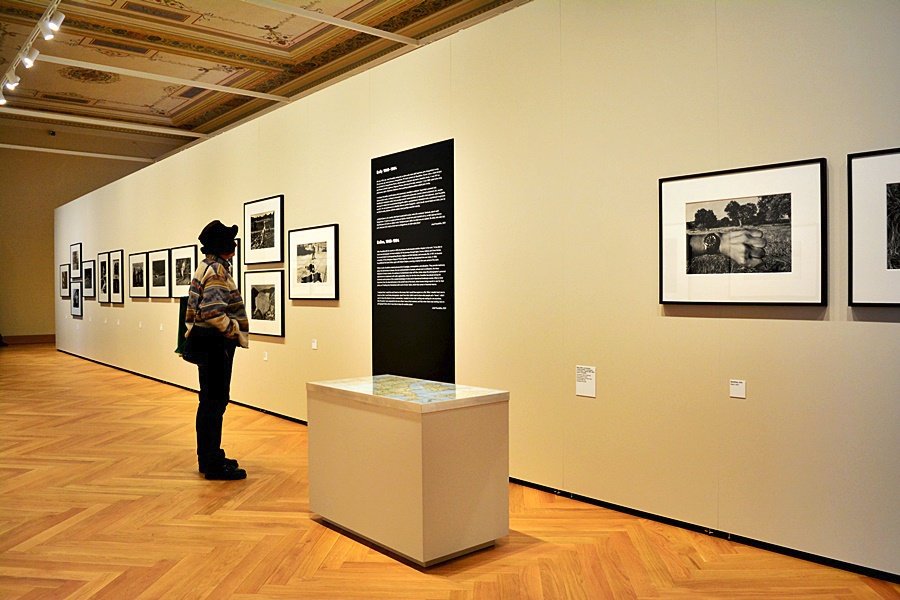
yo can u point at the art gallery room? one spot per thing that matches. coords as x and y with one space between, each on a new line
545 299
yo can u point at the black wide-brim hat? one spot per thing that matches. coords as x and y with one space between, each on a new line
217 238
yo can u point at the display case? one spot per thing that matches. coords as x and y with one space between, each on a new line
420 468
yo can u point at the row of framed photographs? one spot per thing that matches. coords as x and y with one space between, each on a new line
84 273
167 273
757 235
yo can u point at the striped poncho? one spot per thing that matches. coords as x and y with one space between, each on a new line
215 301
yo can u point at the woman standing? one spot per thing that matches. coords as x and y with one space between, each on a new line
216 312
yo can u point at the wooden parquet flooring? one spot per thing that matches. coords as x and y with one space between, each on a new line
100 498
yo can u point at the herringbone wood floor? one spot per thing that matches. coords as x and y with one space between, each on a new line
100 498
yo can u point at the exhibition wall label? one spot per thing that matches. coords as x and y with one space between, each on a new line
412 264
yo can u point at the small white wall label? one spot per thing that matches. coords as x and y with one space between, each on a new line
738 388
586 381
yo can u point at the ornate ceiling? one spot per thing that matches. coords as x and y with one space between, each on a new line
150 63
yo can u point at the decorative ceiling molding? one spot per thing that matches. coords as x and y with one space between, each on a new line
322 18
145 75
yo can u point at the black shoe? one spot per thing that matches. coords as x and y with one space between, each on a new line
226 462
226 473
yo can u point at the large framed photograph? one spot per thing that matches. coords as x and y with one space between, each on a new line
137 275
264 296
75 259
103 277
88 276
263 227
158 274
77 305
754 235
873 179
65 281
117 276
313 263
184 263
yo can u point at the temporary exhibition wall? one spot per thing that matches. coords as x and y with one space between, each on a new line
564 115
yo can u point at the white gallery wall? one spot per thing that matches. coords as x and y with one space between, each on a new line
565 114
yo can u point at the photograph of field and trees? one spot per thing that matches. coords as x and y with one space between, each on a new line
754 232
262 230
893 226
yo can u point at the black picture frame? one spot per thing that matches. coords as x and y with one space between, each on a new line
65 281
873 208
768 214
75 259
117 276
183 264
264 298
158 274
76 305
89 276
264 230
312 263
137 275
103 277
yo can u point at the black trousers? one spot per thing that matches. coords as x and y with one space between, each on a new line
215 392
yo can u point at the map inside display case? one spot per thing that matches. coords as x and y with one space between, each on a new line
417 394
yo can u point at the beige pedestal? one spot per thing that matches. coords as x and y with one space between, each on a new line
418 467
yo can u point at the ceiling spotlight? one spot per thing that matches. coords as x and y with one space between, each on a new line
12 80
56 21
45 30
28 59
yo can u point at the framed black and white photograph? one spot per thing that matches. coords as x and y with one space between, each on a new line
75 259
754 235
117 276
264 298
263 227
873 179
103 277
312 264
77 303
137 275
88 276
65 281
158 274
184 263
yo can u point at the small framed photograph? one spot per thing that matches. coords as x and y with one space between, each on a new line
65 282
264 297
754 235
117 276
137 275
158 270
873 179
103 277
184 263
88 276
75 259
77 306
263 230
313 263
